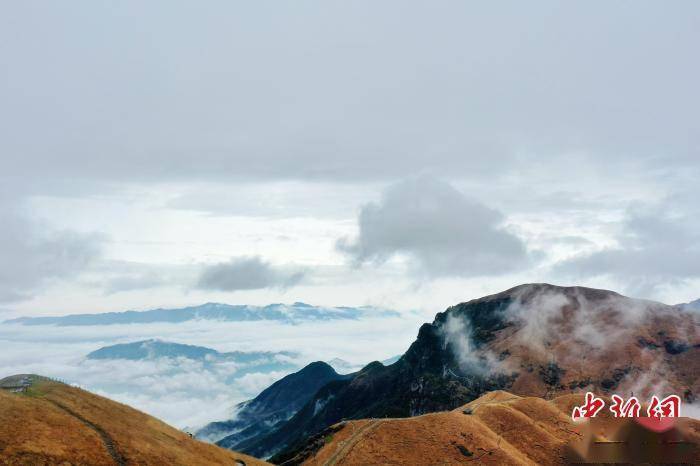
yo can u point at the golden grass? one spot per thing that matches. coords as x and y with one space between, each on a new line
498 428
43 427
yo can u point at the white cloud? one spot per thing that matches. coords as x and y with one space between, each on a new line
443 231
654 247
248 273
34 255
257 382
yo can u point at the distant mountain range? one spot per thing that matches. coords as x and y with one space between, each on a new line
257 361
693 305
249 361
290 313
534 340
246 362
275 405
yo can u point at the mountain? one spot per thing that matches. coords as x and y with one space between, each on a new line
344 367
152 349
533 340
692 306
46 422
247 361
391 360
289 313
498 428
273 406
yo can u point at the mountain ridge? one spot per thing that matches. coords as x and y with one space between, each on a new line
47 422
692 305
498 428
288 313
154 348
272 406
534 340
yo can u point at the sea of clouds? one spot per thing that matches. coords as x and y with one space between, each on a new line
184 392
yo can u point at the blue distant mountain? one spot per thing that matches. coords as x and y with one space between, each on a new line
693 305
249 361
290 313
152 349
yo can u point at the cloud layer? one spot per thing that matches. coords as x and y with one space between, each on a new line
33 255
247 273
443 231
308 93
654 247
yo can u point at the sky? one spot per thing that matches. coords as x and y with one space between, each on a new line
406 155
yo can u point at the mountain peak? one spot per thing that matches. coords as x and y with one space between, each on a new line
532 339
527 291
274 405
298 312
318 368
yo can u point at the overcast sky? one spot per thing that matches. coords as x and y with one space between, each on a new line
396 153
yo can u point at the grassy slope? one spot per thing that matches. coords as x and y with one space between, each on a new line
500 429
44 426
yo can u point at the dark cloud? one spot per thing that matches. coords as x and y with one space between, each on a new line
248 273
654 247
437 226
33 256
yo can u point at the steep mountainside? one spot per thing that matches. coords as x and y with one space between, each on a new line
535 340
272 407
296 312
45 423
498 428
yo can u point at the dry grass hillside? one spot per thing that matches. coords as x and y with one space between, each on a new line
49 423
496 429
